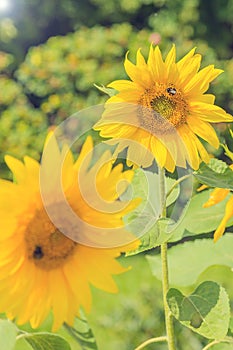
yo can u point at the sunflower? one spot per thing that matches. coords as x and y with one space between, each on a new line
41 268
163 111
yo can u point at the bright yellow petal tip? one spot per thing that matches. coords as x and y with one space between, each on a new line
228 214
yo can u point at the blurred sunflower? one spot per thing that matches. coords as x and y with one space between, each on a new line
163 110
41 269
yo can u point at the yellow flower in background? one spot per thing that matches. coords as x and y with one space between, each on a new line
41 269
163 110
216 196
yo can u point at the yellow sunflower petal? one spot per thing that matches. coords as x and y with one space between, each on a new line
171 67
156 64
216 196
228 214
78 283
203 154
86 152
137 73
17 168
121 85
32 167
58 292
130 96
189 142
159 151
188 68
200 82
137 153
98 276
184 62
171 57
170 163
204 130
207 98
140 59
210 113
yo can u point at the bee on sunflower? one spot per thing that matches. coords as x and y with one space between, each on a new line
163 111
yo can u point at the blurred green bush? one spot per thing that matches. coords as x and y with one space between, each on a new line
21 124
60 73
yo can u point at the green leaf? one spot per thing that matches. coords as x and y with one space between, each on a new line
231 325
188 260
46 341
82 332
218 165
215 174
109 91
199 220
144 221
8 333
156 235
206 311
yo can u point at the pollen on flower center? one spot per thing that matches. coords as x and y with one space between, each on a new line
46 246
162 108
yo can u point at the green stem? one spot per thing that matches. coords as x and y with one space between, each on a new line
177 183
168 315
150 341
165 280
162 191
214 342
20 336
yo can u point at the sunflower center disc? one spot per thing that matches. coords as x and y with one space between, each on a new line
46 246
163 106
162 109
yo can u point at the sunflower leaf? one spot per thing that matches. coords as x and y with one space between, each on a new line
206 311
184 260
198 220
46 341
8 333
156 235
109 91
215 174
145 221
82 332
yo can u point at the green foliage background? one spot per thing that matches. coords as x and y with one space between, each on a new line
51 54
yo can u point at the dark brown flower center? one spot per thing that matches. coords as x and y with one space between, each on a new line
46 246
162 109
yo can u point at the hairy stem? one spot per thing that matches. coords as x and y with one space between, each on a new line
215 342
165 280
177 183
150 341
168 315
